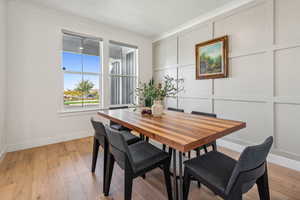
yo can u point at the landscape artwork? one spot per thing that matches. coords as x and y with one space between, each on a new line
212 59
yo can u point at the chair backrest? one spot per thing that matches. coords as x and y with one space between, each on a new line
118 146
99 129
175 109
251 162
118 107
204 114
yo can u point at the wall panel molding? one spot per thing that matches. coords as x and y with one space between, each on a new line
273 157
165 67
247 53
189 97
272 69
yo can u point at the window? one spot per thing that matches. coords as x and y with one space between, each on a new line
81 63
123 73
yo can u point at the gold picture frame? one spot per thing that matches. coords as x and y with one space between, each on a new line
212 58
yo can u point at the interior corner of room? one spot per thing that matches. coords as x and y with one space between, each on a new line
61 65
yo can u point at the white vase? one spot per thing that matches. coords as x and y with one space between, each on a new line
157 108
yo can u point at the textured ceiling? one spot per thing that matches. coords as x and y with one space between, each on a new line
146 17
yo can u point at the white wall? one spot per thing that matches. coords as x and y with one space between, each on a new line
35 80
263 87
3 7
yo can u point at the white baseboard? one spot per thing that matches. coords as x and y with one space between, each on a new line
2 153
272 158
45 141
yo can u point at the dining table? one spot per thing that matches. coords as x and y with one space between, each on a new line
182 132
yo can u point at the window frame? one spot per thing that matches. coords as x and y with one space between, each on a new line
135 76
73 108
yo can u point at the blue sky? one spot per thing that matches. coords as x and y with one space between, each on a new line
72 62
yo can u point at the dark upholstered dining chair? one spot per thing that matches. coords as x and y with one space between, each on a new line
100 139
117 126
229 178
212 144
176 110
135 160
205 147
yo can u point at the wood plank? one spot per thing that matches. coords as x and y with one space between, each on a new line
181 131
21 173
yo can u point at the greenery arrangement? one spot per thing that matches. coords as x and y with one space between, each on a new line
149 92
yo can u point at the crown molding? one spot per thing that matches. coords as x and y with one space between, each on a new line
206 17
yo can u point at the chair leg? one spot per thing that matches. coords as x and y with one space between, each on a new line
164 147
198 184
198 152
170 152
214 146
168 179
147 139
189 155
105 157
205 149
128 186
95 154
186 185
263 186
109 171
142 136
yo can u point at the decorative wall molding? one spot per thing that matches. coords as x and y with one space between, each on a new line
272 158
165 67
247 53
287 100
231 98
273 99
202 97
256 99
285 46
237 55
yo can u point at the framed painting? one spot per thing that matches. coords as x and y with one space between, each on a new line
212 59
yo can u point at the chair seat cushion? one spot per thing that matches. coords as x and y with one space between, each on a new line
119 127
145 155
130 138
214 168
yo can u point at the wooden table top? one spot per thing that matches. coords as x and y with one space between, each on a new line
181 131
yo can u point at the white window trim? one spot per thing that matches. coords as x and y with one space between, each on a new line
104 76
136 76
74 109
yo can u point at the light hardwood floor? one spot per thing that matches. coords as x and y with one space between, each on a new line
62 172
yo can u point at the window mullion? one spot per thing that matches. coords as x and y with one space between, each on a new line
82 78
85 73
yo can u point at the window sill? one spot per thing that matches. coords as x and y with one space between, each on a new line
88 111
76 112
